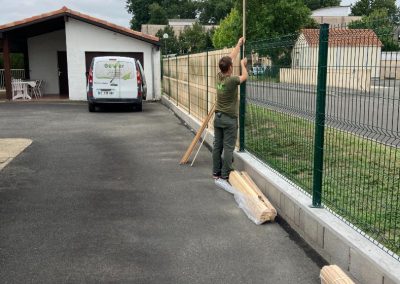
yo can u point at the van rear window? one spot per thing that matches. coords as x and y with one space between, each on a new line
114 70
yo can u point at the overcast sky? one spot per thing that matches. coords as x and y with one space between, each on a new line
110 10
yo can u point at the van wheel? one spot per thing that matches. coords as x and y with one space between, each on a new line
139 107
91 107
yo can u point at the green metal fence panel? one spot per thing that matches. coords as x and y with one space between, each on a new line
360 175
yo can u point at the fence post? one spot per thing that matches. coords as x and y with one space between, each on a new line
176 80
242 109
207 82
169 80
320 115
188 83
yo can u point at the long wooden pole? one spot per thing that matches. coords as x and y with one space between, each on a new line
244 24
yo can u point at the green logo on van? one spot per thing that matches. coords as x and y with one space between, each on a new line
113 65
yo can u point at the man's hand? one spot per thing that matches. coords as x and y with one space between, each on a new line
244 62
241 41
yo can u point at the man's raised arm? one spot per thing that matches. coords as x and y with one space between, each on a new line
236 49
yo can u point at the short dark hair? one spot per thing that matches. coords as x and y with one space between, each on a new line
225 63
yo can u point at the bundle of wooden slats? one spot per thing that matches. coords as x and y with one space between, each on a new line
257 204
332 274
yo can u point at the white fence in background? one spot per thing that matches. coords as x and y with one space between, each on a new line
15 73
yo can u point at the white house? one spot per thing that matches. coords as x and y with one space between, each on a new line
58 47
353 58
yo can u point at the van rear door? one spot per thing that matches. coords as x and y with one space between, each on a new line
106 78
127 83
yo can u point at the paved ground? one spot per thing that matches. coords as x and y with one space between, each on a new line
100 197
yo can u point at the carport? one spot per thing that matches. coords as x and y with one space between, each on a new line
58 47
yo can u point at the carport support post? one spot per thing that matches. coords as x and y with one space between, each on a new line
320 115
26 61
7 66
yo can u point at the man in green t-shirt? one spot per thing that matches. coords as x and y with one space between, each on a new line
226 113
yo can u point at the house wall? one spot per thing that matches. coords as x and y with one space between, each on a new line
82 37
356 57
43 65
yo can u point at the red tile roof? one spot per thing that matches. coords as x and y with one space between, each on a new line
65 11
344 37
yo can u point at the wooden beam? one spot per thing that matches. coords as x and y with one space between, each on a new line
256 203
7 66
189 151
334 274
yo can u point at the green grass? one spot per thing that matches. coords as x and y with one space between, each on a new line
361 177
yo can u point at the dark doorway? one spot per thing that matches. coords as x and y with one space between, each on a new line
89 56
63 73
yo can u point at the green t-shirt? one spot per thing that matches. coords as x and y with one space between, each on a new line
227 94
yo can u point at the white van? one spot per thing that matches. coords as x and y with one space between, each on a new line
114 79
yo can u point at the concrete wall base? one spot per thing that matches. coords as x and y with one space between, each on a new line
334 240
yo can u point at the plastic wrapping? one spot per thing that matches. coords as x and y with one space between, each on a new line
244 202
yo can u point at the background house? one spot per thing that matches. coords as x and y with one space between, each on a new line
354 57
58 47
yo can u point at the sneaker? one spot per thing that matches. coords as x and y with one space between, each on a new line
216 175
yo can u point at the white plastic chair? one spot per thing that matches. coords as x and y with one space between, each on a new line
19 90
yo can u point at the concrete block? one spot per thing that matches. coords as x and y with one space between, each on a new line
310 227
388 280
338 250
297 212
364 270
273 194
288 209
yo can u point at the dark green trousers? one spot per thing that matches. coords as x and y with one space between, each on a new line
225 134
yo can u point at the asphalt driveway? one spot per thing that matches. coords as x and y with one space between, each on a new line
100 197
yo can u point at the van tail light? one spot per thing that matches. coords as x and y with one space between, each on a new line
90 81
139 82
90 76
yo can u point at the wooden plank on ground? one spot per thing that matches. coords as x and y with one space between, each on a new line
189 151
334 274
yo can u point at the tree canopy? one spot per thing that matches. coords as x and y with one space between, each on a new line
169 45
212 11
269 18
316 4
144 10
366 7
382 25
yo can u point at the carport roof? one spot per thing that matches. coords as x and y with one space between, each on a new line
65 12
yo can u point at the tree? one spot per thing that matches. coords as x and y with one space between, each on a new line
229 30
212 11
366 7
269 18
169 45
316 4
16 61
141 12
193 39
382 25
158 15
